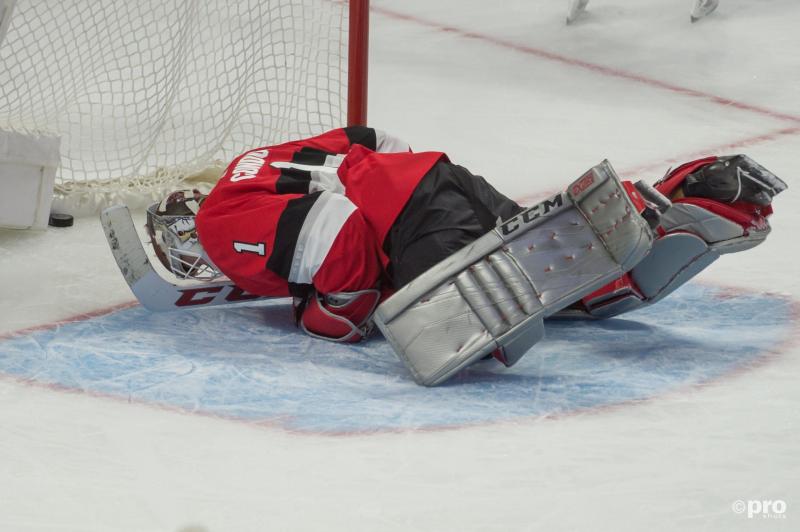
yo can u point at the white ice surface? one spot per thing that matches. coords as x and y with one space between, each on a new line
468 77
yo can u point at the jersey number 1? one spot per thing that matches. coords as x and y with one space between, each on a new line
244 247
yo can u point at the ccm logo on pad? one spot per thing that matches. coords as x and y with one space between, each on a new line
532 213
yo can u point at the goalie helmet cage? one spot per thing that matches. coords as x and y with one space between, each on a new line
149 95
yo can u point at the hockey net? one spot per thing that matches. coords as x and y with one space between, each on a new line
150 94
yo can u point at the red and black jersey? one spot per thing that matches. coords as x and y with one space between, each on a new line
310 212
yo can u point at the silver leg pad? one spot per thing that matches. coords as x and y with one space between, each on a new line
494 293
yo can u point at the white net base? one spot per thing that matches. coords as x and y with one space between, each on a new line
147 94
91 196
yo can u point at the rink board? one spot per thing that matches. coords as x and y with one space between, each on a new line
252 364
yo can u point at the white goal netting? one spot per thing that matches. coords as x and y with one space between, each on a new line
146 94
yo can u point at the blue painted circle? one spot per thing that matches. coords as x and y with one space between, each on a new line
252 364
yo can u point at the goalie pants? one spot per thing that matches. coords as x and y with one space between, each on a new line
448 209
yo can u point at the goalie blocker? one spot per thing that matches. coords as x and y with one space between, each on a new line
491 296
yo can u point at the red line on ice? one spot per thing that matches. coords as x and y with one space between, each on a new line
72 319
719 149
635 172
586 65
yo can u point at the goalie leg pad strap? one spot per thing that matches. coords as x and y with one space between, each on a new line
674 260
494 293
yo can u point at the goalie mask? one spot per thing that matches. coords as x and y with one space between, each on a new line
172 231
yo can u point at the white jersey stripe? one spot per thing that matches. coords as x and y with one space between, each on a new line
322 177
320 229
385 143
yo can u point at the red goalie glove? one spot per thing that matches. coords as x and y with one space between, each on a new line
339 317
719 205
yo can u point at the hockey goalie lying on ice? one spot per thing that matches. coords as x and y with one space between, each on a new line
360 230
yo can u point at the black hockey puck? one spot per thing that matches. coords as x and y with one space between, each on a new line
61 220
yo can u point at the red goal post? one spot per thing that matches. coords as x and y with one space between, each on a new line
358 62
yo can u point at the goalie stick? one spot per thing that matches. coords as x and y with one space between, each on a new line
152 290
